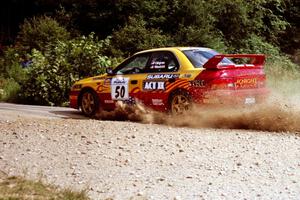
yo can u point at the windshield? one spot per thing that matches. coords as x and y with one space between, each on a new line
199 57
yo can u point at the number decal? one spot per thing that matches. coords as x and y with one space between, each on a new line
119 88
120 92
117 94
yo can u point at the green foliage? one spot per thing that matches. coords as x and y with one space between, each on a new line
194 36
281 68
193 23
38 32
53 72
238 20
82 55
135 36
12 75
278 65
290 39
283 76
227 21
223 25
9 90
56 62
10 65
256 44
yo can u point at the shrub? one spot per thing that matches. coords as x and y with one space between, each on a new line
39 32
283 76
9 90
56 62
195 36
12 75
11 65
257 44
135 36
53 72
278 65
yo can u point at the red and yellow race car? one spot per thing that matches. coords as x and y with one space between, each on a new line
171 79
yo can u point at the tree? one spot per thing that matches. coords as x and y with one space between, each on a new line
38 32
135 36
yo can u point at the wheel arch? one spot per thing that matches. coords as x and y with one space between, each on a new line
84 89
176 91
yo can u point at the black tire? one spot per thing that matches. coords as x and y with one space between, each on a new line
89 103
179 102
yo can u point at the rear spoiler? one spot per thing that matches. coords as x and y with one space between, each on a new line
256 60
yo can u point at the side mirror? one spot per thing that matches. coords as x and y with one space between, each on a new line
109 71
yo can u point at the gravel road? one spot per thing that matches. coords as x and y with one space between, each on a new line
127 160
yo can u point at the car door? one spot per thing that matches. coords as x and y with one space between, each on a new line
127 82
162 73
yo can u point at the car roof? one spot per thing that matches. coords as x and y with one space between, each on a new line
175 48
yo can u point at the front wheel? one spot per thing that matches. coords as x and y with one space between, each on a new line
180 102
89 103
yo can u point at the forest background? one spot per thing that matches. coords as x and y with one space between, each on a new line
46 45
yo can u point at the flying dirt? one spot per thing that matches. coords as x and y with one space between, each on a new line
276 115
264 117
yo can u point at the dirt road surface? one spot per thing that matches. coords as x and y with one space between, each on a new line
127 160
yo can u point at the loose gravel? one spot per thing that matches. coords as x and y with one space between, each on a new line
123 160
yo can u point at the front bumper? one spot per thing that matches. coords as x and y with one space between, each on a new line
73 98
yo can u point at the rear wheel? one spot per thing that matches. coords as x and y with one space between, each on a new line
89 103
180 102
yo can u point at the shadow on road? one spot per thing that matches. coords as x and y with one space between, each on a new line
68 114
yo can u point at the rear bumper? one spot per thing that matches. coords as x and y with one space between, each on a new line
240 97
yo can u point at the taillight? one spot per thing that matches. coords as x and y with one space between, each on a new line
222 84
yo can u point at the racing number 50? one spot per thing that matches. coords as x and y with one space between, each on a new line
119 88
120 91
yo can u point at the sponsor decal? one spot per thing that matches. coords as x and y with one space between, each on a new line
157 102
246 83
162 76
119 81
186 75
107 81
158 65
154 85
108 101
197 83
250 100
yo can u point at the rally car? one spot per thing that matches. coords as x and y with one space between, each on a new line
172 79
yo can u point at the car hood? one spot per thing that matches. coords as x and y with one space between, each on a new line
91 79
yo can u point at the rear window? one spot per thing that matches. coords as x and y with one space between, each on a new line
198 57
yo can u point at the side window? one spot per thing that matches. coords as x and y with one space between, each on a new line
163 62
134 65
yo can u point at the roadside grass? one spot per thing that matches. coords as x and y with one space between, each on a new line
13 188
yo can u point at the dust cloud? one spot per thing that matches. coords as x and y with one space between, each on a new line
280 113
265 117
